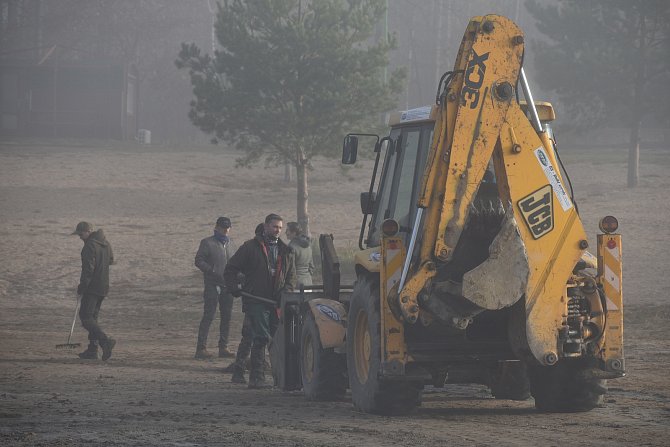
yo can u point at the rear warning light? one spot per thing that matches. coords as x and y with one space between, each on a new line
608 224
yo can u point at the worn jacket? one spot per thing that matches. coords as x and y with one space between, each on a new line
96 257
212 257
251 260
304 266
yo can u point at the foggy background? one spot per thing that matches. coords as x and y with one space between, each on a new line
146 35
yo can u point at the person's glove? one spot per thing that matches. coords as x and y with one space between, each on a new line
236 291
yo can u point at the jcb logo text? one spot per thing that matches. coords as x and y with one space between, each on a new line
474 77
538 211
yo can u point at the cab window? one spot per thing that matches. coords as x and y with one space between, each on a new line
400 180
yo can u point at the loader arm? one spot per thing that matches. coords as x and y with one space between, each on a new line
541 239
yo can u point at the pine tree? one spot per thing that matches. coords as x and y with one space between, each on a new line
290 79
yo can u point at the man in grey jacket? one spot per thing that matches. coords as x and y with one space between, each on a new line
211 258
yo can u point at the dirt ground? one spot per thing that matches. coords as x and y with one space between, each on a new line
155 204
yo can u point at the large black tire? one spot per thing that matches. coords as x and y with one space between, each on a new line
369 393
323 371
562 388
509 380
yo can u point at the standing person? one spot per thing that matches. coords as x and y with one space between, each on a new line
244 348
211 258
96 257
301 245
267 266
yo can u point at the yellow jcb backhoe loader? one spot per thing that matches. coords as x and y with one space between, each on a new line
475 266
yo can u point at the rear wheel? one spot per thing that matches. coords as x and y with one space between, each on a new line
565 388
322 370
369 392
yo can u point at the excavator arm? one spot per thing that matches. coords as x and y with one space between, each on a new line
480 124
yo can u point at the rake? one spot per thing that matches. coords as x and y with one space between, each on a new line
69 345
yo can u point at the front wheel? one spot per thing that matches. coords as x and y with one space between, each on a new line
563 388
323 371
369 392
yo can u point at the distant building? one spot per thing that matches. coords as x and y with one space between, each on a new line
68 101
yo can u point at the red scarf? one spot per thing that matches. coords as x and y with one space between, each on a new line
279 263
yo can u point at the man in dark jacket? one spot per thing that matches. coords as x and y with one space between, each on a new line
267 266
211 258
96 257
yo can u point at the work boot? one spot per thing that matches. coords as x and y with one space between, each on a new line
203 354
257 373
238 374
89 354
225 353
266 365
107 347
257 381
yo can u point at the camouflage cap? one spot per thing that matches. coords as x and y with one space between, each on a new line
83 227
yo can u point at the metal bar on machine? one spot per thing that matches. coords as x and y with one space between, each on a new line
410 249
535 118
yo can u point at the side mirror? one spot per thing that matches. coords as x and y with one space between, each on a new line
349 150
368 202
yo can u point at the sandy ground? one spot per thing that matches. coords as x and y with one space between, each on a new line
155 204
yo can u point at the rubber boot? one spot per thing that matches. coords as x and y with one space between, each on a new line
91 353
238 374
257 373
244 347
107 347
266 365
237 367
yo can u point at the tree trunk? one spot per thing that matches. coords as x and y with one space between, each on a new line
637 112
634 155
288 172
303 195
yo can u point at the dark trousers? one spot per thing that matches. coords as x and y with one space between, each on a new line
88 314
244 347
215 296
263 321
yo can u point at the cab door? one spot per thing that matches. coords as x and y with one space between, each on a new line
399 184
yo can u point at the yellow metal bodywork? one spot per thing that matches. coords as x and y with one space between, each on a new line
464 138
369 259
393 347
552 254
330 318
545 111
493 60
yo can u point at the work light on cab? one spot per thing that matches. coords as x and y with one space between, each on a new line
608 224
390 227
